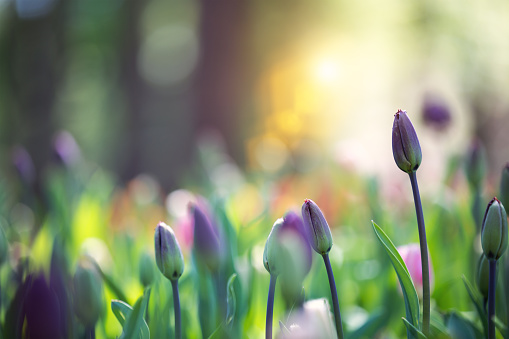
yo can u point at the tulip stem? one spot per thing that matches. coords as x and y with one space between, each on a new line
176 308
334 295
424 255
270 307
491 299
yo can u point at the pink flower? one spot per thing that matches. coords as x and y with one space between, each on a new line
411 255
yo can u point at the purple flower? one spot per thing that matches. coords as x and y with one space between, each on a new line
411 255
405 144
206 239
435 113
316 227
293 223
24 165
67 151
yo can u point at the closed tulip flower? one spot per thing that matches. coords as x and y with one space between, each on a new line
405 144
494 230
169 257
317 228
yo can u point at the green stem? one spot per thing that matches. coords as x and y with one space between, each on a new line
491 299
176 309
334 295
270 307
424 255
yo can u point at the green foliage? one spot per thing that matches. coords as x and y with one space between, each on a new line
131 319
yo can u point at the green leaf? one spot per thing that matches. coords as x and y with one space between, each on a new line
121 310
459 328
117 291
477 300
375 322
231 302
407 286
413 330
219 333
501 327
131 319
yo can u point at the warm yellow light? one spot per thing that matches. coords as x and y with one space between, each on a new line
326 70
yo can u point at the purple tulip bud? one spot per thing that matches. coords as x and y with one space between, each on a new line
43 314
206 240
316 227
294 224
405 144
67 151
169 258
24 165
494 230
435 113
411 255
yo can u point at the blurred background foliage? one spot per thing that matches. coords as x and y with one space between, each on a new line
256 106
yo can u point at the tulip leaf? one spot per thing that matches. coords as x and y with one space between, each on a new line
413 330
373 324
458 327
477 300
501 327
131 319
231 302
407 286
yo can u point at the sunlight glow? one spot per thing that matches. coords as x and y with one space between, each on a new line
326 70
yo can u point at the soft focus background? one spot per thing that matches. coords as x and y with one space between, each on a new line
116 114
286 83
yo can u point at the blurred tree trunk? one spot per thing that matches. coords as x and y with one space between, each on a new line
223 74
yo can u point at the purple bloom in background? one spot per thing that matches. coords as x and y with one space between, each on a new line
67 151
206 239
294 224
411 255
24 165
42 310
435 113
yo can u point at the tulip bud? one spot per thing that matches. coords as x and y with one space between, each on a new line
24 165
206 240
475 166
146 269
292 223
494 230
88 294
504 186
317 229
65 148
405 144
483 276
272 250
169 257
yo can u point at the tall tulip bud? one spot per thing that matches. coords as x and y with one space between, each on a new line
317 229
169 257
504 186
405 144
272 250
206 240
494 230
88 293
146 269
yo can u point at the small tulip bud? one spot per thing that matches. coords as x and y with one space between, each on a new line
475 165
271 252
206 240
504 186
292 223
169 257
483 276
317 229
405 144
88 293
146 269
494 230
